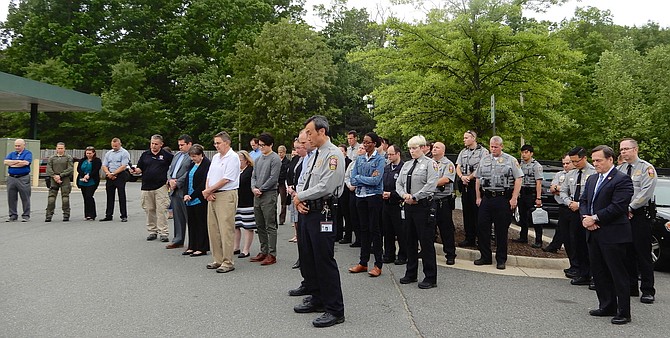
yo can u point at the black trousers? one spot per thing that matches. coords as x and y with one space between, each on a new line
526 206
638 258
344 228
198 238
393 230
494 210
578 237
110 187
89 201
445 222
318 265
353 216
369 211
608 264
420 227
470 211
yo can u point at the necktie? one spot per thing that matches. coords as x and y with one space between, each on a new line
578 188
409 176
316 155
629 170
600 181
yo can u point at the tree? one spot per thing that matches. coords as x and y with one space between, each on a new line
279 81
437 77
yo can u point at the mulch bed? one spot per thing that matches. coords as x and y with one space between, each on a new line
517 249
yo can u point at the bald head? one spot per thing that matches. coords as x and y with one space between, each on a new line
19 144
438 150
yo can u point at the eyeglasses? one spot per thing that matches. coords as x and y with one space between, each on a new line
368 142
579 160
261 144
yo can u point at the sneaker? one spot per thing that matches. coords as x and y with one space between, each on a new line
124 219
164 238
152 237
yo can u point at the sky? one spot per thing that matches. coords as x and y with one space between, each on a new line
624 12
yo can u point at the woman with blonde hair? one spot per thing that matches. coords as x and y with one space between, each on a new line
244 218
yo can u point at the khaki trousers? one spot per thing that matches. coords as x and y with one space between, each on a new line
155 203
221 227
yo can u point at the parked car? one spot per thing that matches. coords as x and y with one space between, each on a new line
43 167
660 245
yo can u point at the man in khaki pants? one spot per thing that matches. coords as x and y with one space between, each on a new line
223 179
154 164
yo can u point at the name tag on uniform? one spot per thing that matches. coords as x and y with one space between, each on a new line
326 226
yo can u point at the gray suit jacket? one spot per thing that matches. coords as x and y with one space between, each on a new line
181 171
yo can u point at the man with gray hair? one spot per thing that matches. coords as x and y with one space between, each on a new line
18 180
497 187
154 164
60 168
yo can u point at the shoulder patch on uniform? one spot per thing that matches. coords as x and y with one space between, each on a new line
651 172
332 162
451 168
436 166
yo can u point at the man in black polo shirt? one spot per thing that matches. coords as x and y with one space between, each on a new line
154 164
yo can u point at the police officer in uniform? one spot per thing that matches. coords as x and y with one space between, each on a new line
391 223
638 257
562 229
443 201
571 191
466 164
416 185
498 183
321 185
531 196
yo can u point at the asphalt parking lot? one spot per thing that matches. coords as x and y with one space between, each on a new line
86 279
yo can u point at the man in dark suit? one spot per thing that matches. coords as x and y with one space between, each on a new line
604 211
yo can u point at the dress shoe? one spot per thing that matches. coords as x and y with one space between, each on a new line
164 238
66 219
570 275
581 281
426 285
500 266
213 265
388 260
407 280
620 320
467 244
296 265
550 249
520 240
345 241
174 246
187 252
269 260
106 219
647 299
243 255
592 286
536 245
124 219
375 272
308 307
199 253
259 258
225 269
602 313
400 261
327 319
11 219
355 245
568 270
236 252
300 291
482 262
48 219
634 292
152 237
358 268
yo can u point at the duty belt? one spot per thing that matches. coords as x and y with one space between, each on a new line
527 190
496 193
317 205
